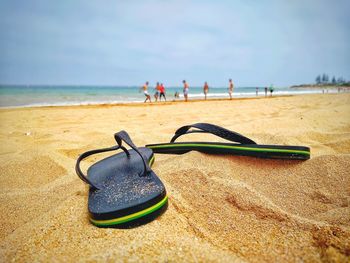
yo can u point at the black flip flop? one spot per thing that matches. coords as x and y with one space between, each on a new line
243 146
124 191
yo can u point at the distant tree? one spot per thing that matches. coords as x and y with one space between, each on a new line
326 78
323 80
318 79
334 81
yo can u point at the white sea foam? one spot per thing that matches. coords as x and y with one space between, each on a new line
70 103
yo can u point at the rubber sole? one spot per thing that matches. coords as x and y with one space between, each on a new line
125 220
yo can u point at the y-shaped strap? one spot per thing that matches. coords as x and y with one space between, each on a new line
119 137
213 129
122 135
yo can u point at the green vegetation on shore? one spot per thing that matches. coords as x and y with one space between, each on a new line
322 81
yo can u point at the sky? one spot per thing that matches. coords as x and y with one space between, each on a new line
254 42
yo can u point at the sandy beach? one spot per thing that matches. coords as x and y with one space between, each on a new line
221 208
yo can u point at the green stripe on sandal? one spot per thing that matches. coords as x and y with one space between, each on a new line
130 217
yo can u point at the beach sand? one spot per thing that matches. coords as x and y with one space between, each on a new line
221 208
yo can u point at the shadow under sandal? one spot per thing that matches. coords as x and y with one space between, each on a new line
124 191
241 146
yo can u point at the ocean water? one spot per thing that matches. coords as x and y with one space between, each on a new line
29 96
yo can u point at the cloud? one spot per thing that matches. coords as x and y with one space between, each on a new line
126 42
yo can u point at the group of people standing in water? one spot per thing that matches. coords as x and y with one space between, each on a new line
160 91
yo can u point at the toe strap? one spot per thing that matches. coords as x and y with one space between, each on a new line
124 136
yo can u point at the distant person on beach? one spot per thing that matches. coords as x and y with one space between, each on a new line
186 88
157 88
205 89
162 92
257 91
230 88
177 95
271 90
265 91
145 91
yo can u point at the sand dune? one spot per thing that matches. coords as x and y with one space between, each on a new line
221 208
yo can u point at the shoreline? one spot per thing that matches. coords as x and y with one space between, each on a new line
168 102
102 96
128 103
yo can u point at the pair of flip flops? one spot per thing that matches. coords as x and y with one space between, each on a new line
125 192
